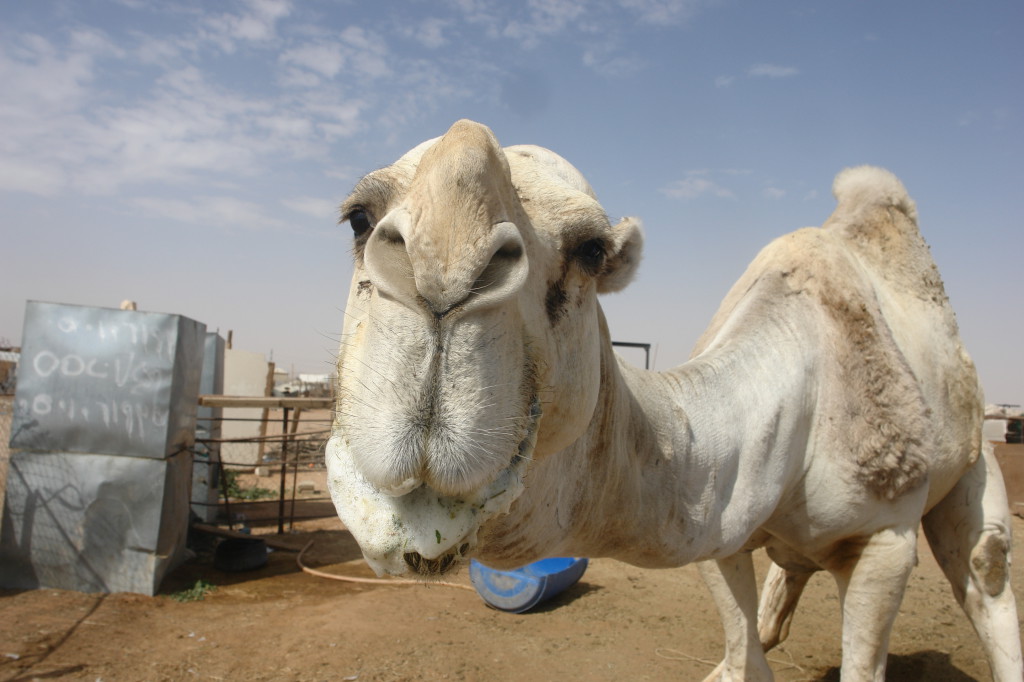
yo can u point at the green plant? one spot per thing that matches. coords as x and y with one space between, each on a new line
232 489
195 593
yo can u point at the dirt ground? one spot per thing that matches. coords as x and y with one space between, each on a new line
279 623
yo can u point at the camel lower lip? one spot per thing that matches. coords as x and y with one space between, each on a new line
431 568
422 530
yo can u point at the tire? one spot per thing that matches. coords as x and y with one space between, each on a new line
240 554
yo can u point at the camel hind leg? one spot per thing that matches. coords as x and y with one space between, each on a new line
969 533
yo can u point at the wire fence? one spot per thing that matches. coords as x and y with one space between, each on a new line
6 415
276 476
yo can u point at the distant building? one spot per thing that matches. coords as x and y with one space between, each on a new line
306 386
8 369
1003 423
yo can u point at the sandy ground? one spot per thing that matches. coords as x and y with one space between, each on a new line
279 623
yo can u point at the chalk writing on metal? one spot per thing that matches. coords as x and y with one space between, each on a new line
78 385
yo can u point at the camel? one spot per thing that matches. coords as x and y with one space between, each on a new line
827 413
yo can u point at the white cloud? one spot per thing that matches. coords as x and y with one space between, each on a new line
773 193
86 132
1002 114
34 60
191 103
43 126
323 58
771 71
223 212
94 42
759 71
554 15
160 51
367 52
419 87
695 185
353 52
256 23
334 118
535 22
347 175
604 62
997 117
23 175
284 125
430 33
82 132
188 129
544 18
315 207
481 13
298 78
664 12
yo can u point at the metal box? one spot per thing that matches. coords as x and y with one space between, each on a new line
105 381
93 523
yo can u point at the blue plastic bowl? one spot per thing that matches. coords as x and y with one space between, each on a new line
523 588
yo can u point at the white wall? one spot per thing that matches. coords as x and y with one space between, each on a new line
245 373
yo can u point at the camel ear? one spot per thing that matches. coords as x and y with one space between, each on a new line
623 256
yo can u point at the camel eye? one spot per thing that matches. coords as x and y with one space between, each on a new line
591 254
359 219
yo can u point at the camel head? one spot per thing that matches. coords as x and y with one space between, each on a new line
471 341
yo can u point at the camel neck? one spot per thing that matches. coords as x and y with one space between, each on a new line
649 480
688 439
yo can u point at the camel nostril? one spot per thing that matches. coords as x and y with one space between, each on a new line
507 268
391 236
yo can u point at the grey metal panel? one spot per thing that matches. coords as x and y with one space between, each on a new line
205 493
212 379
100 380
205 481
93 523
187 372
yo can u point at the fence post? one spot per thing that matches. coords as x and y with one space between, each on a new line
284 464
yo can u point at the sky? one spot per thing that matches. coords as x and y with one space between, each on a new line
191 155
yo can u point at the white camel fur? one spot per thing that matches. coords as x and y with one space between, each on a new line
827 412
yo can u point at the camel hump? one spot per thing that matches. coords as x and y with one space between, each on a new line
877 220
871 187
873 207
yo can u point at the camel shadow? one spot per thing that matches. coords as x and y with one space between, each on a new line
329 547
566 597
934 666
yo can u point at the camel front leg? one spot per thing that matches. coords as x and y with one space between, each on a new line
733 586
872 575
